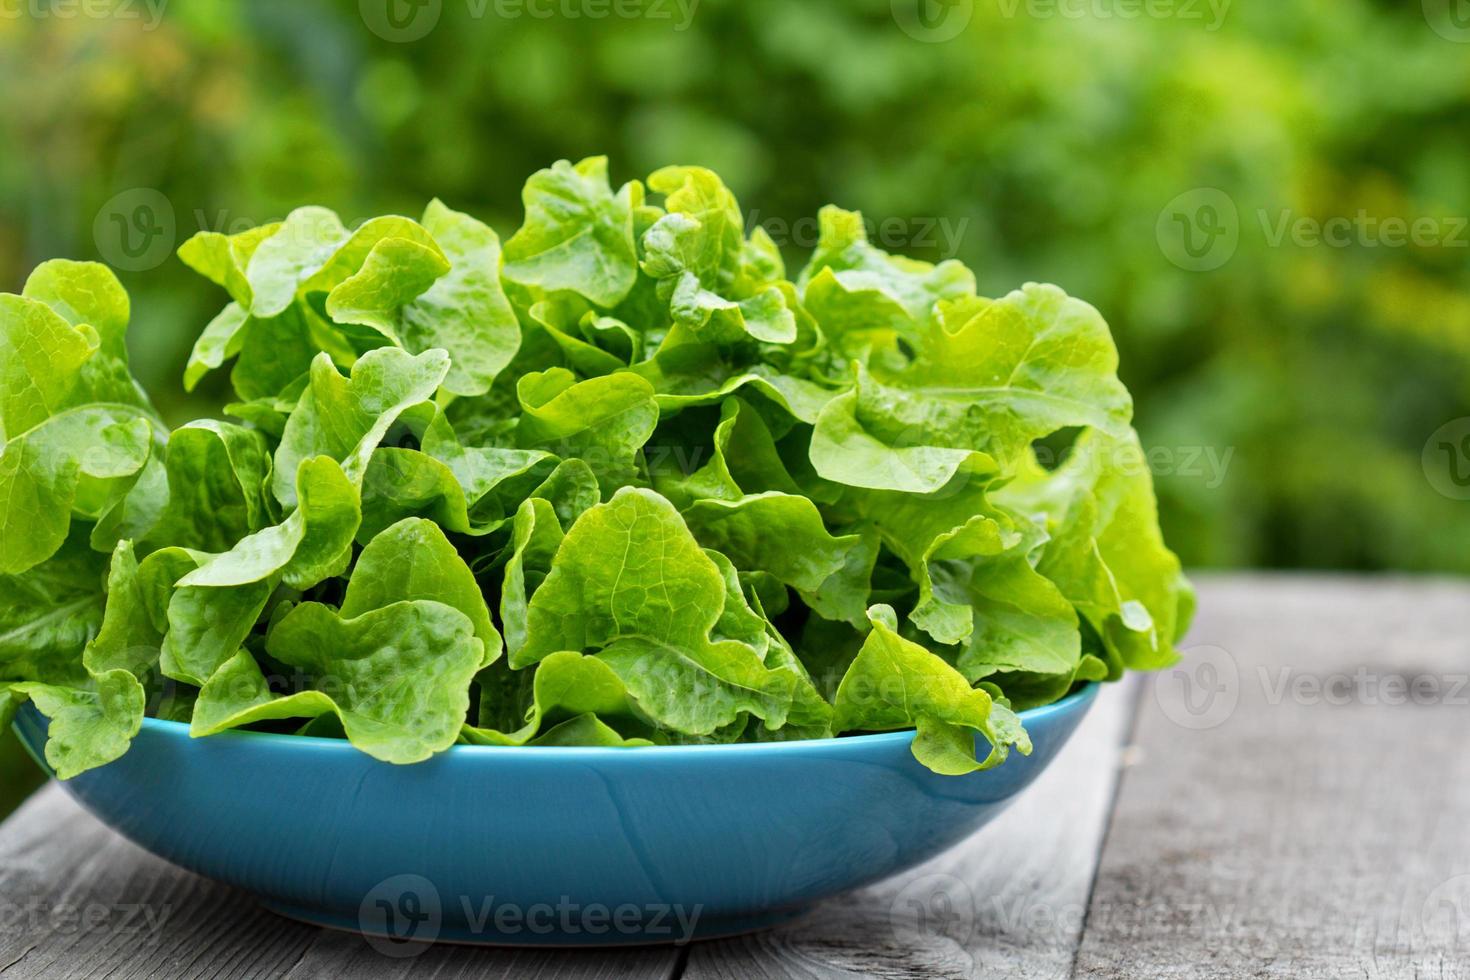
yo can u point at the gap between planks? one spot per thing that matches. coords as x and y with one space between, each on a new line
1009 901
1294 813
1011 898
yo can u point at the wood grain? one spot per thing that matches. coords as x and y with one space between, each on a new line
76 900
1294 805
1008 902
338 955
1296 837
989 903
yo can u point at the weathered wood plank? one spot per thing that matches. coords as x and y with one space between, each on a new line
1310 820
335 956
76 900
930 922
1007 902
1310 833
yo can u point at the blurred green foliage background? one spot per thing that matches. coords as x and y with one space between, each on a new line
1169 167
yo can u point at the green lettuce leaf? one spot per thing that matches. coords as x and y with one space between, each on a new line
87 295
397 678
991 378
602 421
215 605
779 533
413 560
867 300
566 687
76 435
630 581
346 418
217 486
465 312
128 638
1105 553
313 544
536 537
578 234
89 727
628 567
619 482
49 613
895 683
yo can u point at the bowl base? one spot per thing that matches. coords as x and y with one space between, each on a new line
425 934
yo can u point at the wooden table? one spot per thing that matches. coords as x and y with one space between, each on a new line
1293 804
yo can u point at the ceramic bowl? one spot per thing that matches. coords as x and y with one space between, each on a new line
547 846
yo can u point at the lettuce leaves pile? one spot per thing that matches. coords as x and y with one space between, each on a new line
617 480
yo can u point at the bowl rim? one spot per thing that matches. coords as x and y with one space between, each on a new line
1074 700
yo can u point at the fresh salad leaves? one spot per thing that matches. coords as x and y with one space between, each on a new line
618 481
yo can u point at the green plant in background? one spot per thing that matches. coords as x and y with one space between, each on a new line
710 503
1074 150
1031 147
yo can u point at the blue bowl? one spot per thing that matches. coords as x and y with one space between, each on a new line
547 846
